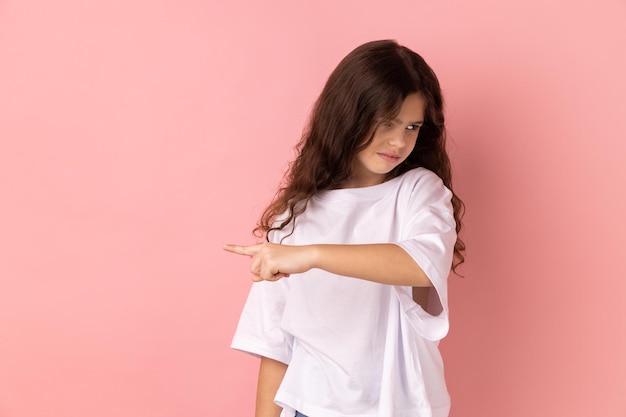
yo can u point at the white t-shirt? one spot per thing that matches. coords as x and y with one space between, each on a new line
355 347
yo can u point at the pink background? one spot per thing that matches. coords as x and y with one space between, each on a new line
137 136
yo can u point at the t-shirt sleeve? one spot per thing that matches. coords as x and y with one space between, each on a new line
259 331
430 235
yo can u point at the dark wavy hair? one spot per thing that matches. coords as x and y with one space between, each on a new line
368 86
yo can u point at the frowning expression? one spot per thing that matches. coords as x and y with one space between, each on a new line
392 143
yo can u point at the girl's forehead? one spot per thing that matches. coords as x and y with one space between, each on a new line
412 109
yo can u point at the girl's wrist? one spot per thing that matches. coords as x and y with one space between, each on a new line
315 256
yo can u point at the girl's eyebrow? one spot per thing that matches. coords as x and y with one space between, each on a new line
419 122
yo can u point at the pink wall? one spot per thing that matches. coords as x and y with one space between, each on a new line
137 136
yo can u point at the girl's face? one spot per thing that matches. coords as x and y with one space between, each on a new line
392 143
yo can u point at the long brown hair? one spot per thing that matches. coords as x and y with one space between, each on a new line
368 86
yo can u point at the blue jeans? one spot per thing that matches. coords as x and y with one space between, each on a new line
299 414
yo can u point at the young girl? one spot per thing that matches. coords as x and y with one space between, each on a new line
350 299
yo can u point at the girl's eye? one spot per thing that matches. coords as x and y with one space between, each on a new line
413 127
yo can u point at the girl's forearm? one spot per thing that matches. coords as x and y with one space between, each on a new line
271 374
384 263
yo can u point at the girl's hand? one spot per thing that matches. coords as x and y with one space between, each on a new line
272 262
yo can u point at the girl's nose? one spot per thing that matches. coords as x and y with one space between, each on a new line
397 138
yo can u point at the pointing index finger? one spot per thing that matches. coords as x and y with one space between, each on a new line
239 250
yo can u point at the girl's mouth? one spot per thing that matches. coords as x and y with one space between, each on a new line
389 157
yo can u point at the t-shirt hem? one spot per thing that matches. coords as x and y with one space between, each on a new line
290 404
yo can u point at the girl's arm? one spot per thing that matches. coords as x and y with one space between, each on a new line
271 374
385 263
